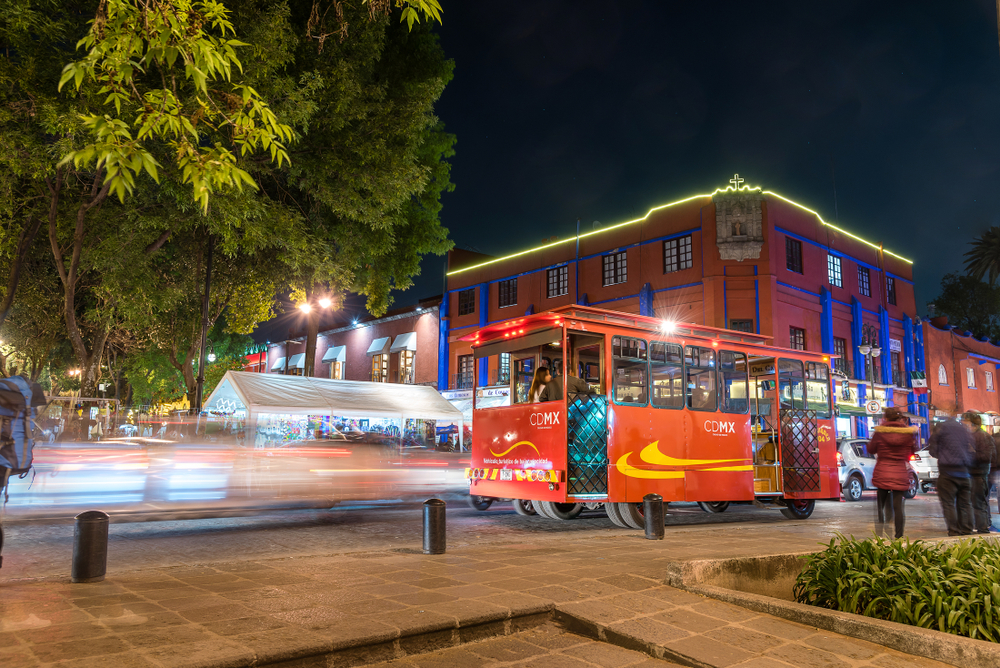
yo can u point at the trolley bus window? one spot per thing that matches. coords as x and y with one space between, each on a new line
701 394
524 372
818 389
586 360
733 373
629 370
666 371
791 385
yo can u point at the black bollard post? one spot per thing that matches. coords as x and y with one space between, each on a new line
434 528
652 513
90 547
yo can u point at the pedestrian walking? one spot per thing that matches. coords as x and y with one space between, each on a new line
893 444
953 446
979 472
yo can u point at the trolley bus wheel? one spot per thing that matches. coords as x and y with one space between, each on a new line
480 502
612 510
713 506
524 507
631 514
559 511
798 509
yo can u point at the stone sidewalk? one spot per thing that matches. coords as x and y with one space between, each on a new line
362 608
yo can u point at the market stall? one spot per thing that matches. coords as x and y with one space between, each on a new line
275 408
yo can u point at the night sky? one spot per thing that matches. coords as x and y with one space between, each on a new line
601 110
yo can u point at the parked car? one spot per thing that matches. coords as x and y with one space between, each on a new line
926 468
856 468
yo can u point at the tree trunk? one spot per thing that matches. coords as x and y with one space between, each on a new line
24 243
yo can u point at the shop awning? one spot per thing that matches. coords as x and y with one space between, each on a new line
379 346
279 364
334 354
297 361
301 395
402 342
848 409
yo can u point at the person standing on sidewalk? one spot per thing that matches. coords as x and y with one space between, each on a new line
995 471
893 443
953 447
979 472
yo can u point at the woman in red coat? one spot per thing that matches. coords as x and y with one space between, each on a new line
893 443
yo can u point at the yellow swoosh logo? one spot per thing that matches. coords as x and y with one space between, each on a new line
632 472
528 443
651 455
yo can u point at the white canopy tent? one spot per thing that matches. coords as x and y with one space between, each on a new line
258 393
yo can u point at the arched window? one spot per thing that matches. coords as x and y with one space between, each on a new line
942 375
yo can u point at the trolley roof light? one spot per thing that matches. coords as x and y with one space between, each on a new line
668 326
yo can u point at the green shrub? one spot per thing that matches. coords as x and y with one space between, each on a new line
952 587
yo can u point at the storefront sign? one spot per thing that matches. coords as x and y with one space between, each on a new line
895 346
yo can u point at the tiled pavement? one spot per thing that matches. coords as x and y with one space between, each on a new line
362 608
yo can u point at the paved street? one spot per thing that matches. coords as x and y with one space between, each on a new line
40 549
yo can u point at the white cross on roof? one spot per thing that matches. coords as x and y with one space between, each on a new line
736 181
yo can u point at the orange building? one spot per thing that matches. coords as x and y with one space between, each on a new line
961 372
741 258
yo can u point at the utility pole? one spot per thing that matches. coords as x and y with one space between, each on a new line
202 357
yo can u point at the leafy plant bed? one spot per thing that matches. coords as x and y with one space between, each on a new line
952 587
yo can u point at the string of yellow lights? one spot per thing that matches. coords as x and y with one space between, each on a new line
616 226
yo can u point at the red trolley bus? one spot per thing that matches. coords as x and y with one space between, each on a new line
689 412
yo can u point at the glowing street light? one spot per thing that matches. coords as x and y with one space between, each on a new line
325 302
305 307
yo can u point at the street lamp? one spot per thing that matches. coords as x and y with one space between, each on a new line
869 348
312 330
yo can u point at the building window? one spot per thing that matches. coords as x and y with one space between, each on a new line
797 338
897 375
466 371
890 288
842 364
970 377
989 381
467 301
741 326
864 282
558 281
503 370
406 366
380 368
793 255
833 270
508 293
615 268
942 375
677 254
337 370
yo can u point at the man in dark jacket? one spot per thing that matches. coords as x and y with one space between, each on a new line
979 472
954 447
995 471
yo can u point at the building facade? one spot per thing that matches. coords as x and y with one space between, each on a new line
961 373
740 258
400 347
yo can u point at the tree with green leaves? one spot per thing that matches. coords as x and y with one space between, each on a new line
984 258
971 304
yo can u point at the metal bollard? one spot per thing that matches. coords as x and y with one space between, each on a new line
652 513
434 528
90 547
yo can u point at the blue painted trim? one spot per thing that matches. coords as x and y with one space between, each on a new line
857 319
984 358
899 278
883 335
615 299
678 287
756 298
826 320
826 248
484 311
444 351
799 289
725 303
646 301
